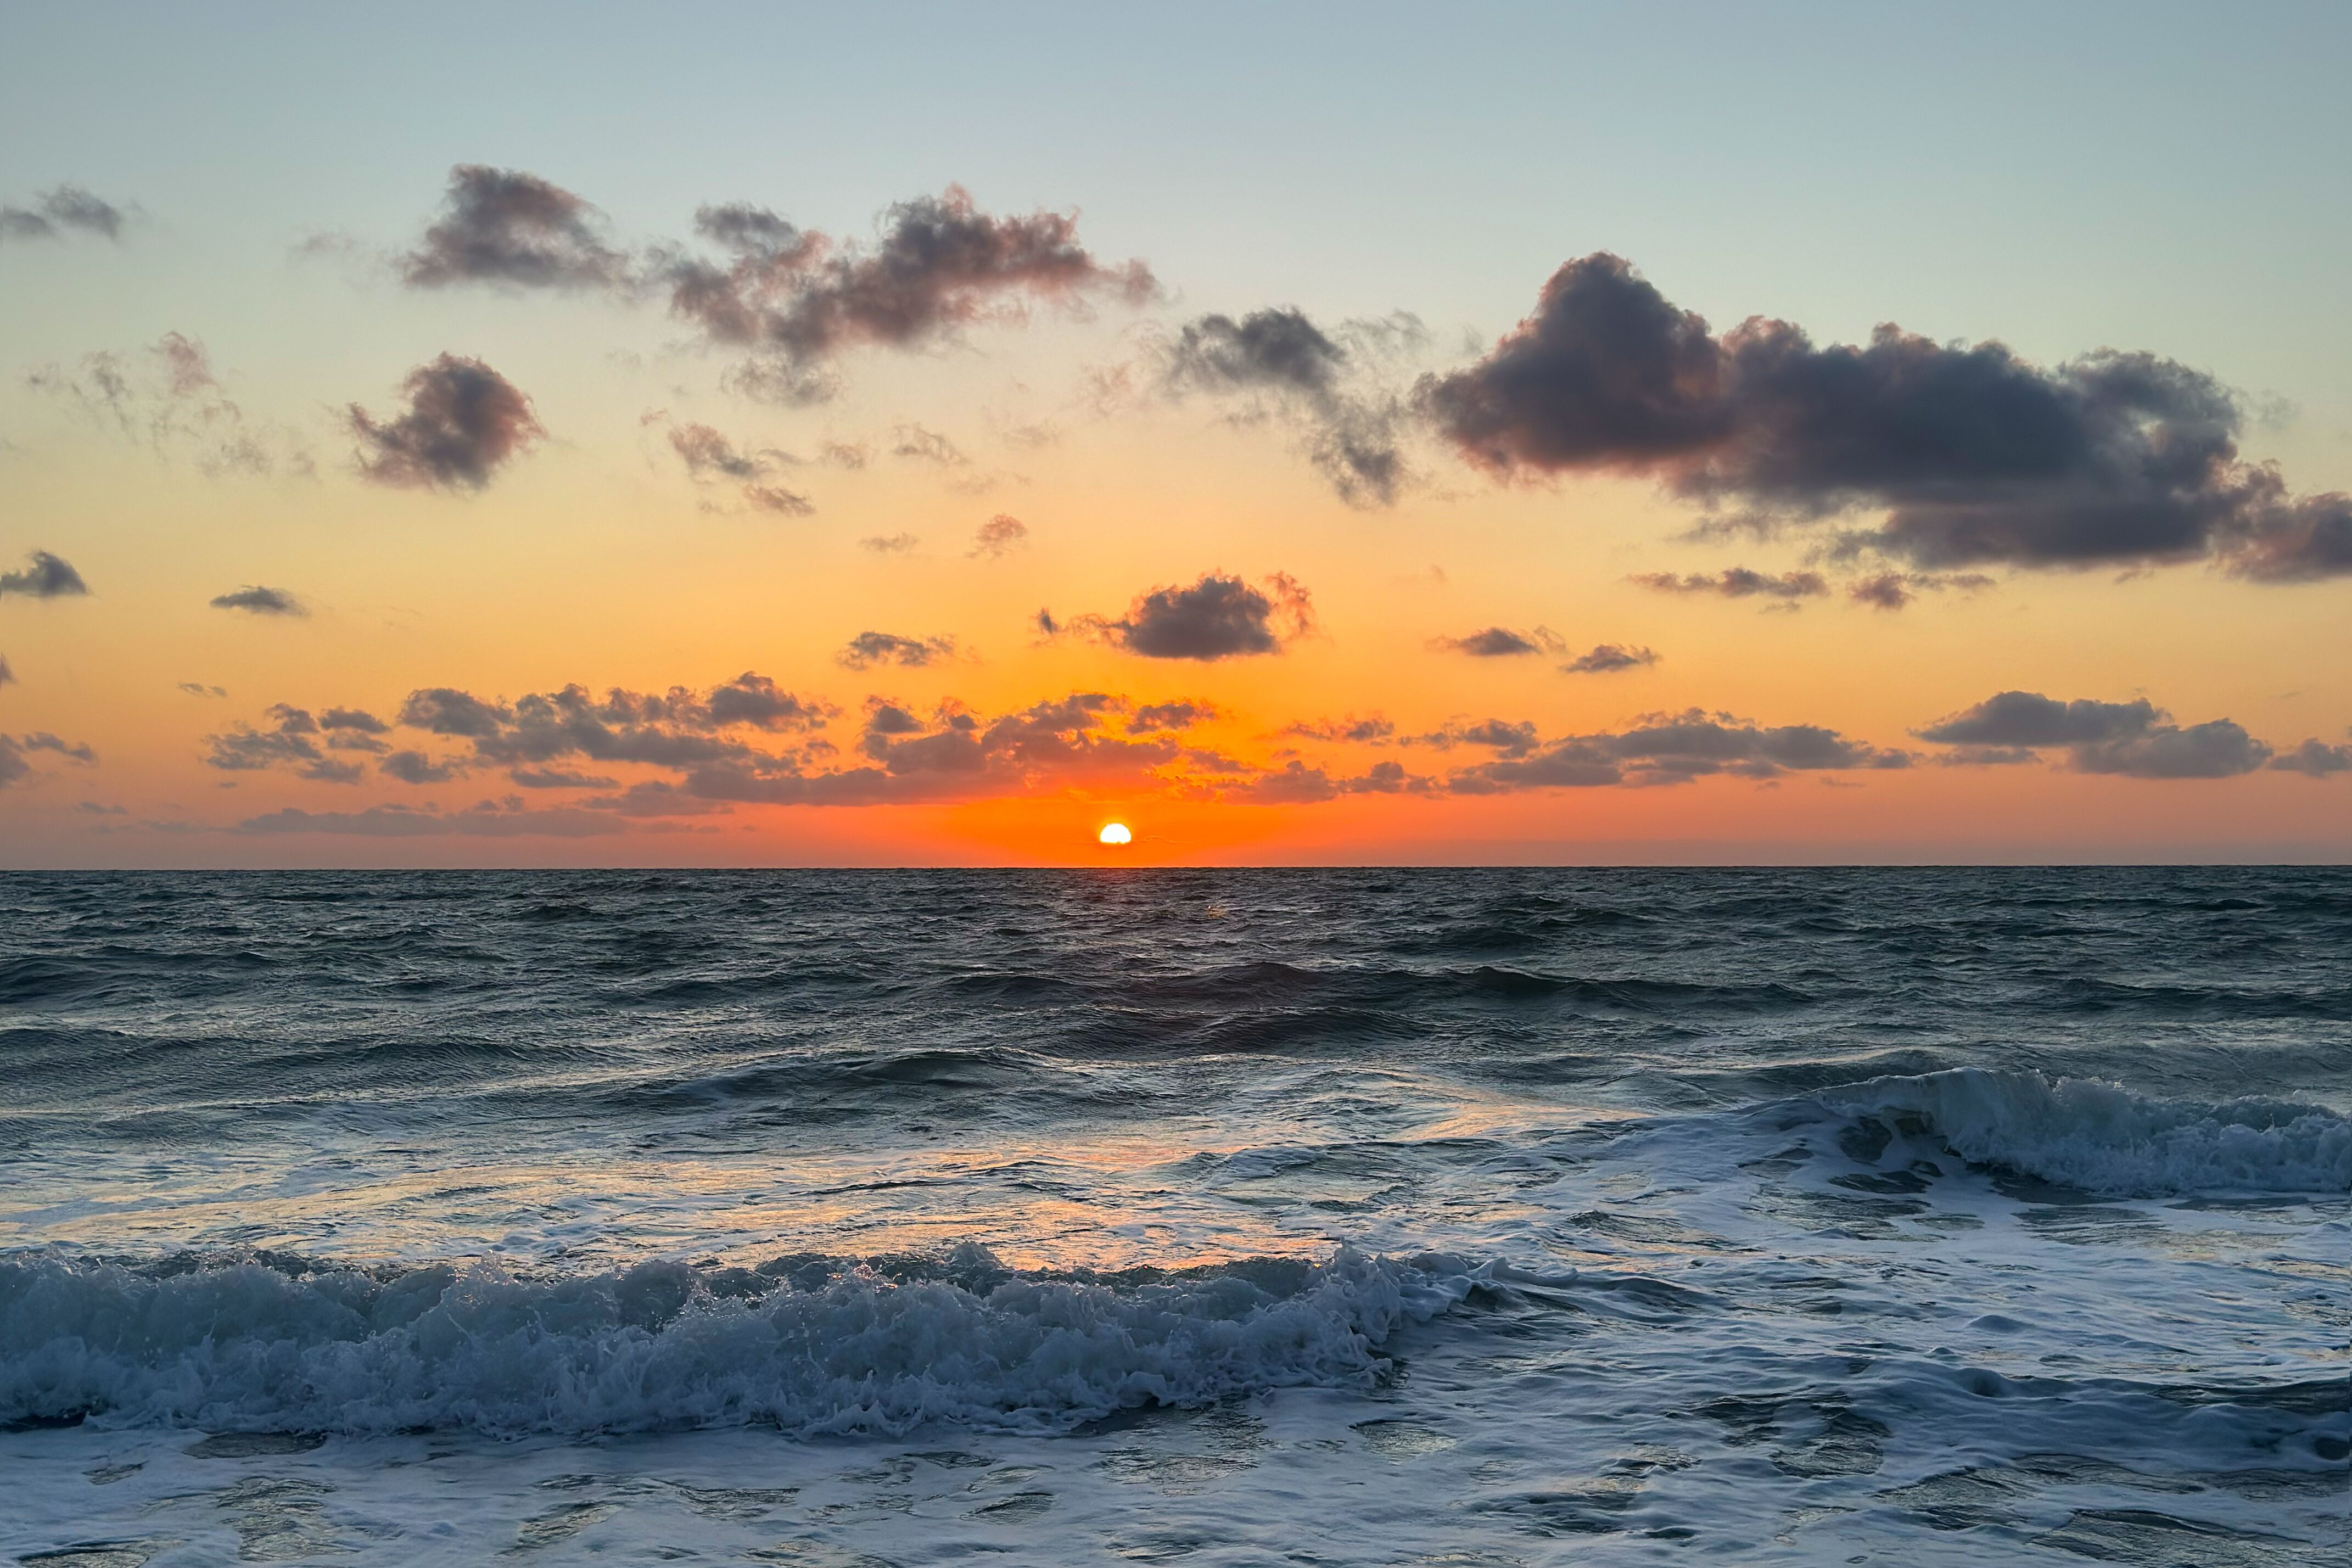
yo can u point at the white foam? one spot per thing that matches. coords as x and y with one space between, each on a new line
242 1346
2106 1139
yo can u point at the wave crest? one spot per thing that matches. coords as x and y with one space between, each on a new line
2104 1138
246 1346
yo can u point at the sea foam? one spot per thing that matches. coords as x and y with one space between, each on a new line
243 1346
2105 1139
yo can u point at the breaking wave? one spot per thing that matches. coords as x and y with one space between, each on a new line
272 1344
2096 1136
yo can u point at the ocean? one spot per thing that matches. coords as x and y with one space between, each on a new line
1207 1217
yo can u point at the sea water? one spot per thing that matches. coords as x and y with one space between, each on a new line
1203 1217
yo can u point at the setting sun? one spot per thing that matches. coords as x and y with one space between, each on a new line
1115 833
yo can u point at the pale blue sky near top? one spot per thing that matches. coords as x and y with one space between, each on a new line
2169 177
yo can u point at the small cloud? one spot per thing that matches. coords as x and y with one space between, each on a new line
417 768
1500 642
1738 583
464 421
1218 616
1609 658
999 536
506 226
45 577
260 601
867 650
2315 759
198 688
59 209
889 544
924 446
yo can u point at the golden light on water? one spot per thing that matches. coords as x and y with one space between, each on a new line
1115 833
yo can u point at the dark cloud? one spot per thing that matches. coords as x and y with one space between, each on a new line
59 209
1893 590
2315 759
46 577
417 768
1370 729
464 420
2029 719
1971 453
559 778
502 226
1503 737
72 751
491 819
2136 739
354 720
1217 617
198 688
2217 749
1500 642
999 536
1280 355
7 676
867 650
889 544
1667 749
1153 717
796 297
1738 583
260 601
1609 658
290 743
446 712
1297 783
13 765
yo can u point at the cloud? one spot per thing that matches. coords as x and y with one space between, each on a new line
923 446
1500 642
889 544
198 688
170 398
1217 617
45 577
352 720
1893 590
558 778
13 765
73 750
464 420
506 226
1969 454
1154 717
260 601
1311 376
7 676
290 743
417 768
2134 738
490 819
59 209
2029 719
867 650
1297 783
709 455
999 536
1738 583
1368 730
1609 658
2315 759
1665 749
796 298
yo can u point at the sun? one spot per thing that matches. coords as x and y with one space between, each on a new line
1115 833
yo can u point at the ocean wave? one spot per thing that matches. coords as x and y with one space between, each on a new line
2103 1138
809 1346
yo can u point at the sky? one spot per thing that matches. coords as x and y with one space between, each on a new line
922 434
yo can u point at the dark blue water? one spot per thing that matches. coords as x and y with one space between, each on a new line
1987 1214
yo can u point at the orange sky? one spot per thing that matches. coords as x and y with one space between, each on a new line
679 496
